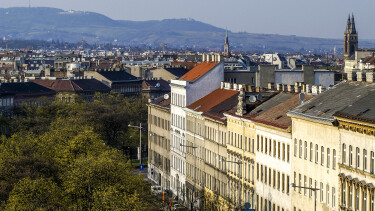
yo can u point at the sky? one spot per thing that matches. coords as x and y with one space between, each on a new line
309 18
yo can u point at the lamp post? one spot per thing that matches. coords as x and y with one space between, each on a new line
313 189
195 166
140 141
240 175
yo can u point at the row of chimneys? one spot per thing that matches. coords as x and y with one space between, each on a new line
234 86
14 80
298 87
361 76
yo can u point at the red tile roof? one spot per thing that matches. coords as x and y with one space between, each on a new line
216 103
276 116
198 71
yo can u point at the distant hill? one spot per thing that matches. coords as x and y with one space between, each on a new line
42 23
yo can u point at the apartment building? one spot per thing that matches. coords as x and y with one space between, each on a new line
357 144
316 146
195 84
273 152
159 141
206 178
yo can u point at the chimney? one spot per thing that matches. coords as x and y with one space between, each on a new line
308 88
241 105
370 77
350 76
314 89
321 89
290 88
278 87
359 76
297 89
270 86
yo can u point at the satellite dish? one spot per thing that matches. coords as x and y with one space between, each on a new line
252 99
259 97
301 96
166 96
157 85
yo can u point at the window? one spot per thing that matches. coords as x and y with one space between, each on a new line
358 157
270 145
305 150
372 162
357 199
364 160
350 202
288 153
343 153
322 156
278 150
328 157
304 185
287 184
283 183
258 143
334 159
350 155
278 180
343 197
300 148
364 200
316 153
321 192
311 152
261 144
295 147
266 143
265 174
283 152
299 182
327 199
274 148
310 185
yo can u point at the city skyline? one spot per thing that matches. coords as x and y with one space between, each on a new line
321 19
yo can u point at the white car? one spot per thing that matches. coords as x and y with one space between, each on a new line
156 189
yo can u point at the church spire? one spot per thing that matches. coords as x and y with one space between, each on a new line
352 26
226 45
348 25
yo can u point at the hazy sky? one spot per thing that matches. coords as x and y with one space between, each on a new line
313 18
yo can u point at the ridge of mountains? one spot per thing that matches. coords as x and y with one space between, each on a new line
44 23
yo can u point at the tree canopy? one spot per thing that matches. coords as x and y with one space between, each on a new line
68 156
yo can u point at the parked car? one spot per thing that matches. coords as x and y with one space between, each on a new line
156 189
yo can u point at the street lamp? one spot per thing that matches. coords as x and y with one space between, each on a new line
240 174
195 166
140 141
313 189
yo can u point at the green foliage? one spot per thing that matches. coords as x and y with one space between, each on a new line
40 194
64 156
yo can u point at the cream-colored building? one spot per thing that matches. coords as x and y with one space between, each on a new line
357 143
273 154
316 146
206 179
159 141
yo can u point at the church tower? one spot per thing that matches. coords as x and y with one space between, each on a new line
350 38
226 46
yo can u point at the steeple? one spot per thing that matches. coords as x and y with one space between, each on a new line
350 38
352 26
226 37
226 45
347 25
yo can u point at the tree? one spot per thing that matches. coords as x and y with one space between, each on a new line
39 194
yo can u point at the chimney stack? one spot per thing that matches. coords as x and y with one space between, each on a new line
370 77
